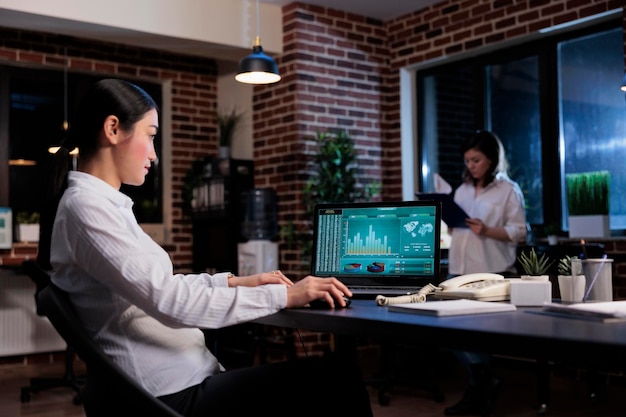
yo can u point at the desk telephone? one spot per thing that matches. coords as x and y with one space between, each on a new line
478 286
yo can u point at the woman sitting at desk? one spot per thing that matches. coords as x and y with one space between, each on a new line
146 317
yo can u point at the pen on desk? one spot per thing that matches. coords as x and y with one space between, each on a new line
595 277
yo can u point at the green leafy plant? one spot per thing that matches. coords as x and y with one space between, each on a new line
564 266
533 264
227 124
552 229
199 170
25 217
334 180
588 193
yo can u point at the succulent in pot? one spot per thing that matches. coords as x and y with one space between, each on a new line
535 266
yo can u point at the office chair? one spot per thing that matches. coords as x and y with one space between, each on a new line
68 379
109 391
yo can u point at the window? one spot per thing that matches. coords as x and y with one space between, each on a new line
34 110
554 103
592 113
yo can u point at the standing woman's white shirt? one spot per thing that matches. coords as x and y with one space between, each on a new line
500 204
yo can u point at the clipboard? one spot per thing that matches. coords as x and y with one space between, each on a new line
452 214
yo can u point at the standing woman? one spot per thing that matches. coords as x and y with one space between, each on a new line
495 205
148 318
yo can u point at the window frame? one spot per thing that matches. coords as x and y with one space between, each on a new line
160 232
545 42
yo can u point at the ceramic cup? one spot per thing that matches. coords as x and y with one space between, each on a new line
572 288
599 275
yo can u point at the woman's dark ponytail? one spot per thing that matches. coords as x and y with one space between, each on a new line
128 102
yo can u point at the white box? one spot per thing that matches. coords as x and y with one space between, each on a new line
6 228
589 226
27 233
256 256
530 293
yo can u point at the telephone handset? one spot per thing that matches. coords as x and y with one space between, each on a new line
478 286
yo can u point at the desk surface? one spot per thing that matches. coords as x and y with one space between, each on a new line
522 332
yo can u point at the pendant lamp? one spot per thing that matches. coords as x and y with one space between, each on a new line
623 86
257 68
66 125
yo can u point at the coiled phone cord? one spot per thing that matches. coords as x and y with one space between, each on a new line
418 297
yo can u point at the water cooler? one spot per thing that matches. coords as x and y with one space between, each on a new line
259 226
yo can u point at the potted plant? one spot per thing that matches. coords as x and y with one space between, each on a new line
194 181
332 179
27 226
571 279
535 267
552 231
588 204
227 123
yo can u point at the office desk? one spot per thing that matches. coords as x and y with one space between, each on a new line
520 333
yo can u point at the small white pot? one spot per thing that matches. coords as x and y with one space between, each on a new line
572 289
27 233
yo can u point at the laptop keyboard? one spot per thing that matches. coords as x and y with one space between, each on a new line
384 289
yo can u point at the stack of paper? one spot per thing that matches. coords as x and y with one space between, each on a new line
452 307
602 311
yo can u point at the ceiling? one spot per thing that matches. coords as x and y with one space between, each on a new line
378 9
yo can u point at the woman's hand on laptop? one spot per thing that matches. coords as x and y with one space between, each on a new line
315 288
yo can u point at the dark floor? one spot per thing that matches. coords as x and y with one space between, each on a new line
569 393
408 397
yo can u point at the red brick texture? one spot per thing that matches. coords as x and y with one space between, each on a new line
341 71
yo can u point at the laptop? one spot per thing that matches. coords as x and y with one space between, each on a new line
378 248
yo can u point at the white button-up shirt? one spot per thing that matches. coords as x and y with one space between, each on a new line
500 204
128 298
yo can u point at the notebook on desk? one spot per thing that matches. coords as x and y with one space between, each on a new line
386 248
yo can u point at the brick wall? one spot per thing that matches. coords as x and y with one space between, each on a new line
342 70
333 66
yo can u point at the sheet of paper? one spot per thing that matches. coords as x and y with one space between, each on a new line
441 186
608 309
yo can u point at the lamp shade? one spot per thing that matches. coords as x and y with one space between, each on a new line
257 68
623 86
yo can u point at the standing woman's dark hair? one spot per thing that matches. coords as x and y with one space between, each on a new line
489 144
128 102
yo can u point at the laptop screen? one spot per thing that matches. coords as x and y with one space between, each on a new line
382 243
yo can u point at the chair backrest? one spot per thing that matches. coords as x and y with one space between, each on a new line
109 391
39 276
